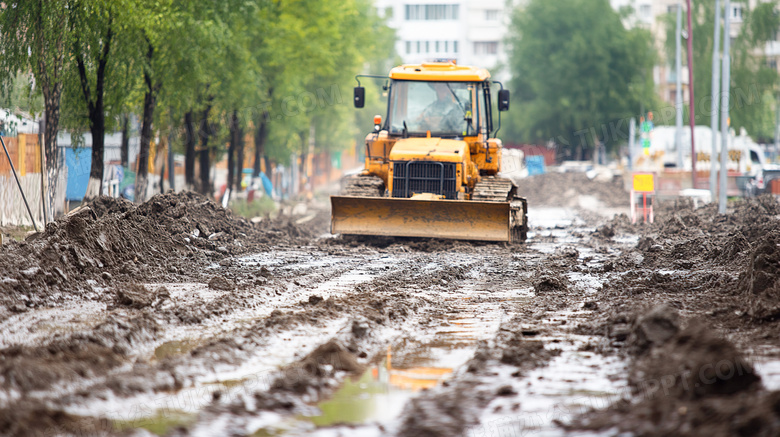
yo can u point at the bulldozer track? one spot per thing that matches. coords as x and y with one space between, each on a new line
363 186
495 189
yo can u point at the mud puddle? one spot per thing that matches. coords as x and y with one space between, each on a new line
40 325
375 399
572 383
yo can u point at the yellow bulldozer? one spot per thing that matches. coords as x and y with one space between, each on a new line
432 163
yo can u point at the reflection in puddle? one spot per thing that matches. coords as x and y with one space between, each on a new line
379 395
173 348
382 391
159 424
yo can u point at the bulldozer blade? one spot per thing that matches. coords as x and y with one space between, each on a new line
397 217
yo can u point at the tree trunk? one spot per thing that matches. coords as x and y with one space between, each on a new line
303 181
150 100
162 159
260 137
48 72
189 155
51 96
239 151
98 131
97 115
231 153
205 160
125 147
141 179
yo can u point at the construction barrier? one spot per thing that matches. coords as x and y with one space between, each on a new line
25 154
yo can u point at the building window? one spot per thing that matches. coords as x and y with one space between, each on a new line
736 12
454 47
437 46
432 12
645 10
486 48
446 46
492 14
427 46
414 12
772 63
418 46
408 47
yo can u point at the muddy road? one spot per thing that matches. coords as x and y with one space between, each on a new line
177 318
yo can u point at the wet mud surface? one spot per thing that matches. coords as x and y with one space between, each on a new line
177 318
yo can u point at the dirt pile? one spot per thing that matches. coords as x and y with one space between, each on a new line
551 283
760 281
688 382
312 373
684 237
331 356
654 328
137 296
564 189
168 238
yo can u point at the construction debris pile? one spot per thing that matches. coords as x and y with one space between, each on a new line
165 239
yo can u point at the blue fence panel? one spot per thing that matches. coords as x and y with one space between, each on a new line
79 163
535 164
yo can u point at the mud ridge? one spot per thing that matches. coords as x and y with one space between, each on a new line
687 382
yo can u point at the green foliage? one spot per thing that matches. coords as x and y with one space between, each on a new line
294 60
752 80
34 34
575 70
19 93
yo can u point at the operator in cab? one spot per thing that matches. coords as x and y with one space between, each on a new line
444 114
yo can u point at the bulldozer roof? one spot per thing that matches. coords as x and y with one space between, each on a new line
443 71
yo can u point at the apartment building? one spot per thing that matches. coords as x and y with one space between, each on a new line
468 32
650 14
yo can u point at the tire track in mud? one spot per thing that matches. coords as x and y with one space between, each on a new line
174 373
542 294
468 314
317 376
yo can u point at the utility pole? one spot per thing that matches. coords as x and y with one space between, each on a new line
42 144
724 106
171 163
714 112
691 101
678 95
777 123
631 142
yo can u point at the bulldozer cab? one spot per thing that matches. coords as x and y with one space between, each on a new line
443 109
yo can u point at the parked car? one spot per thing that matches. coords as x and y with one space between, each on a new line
766 180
